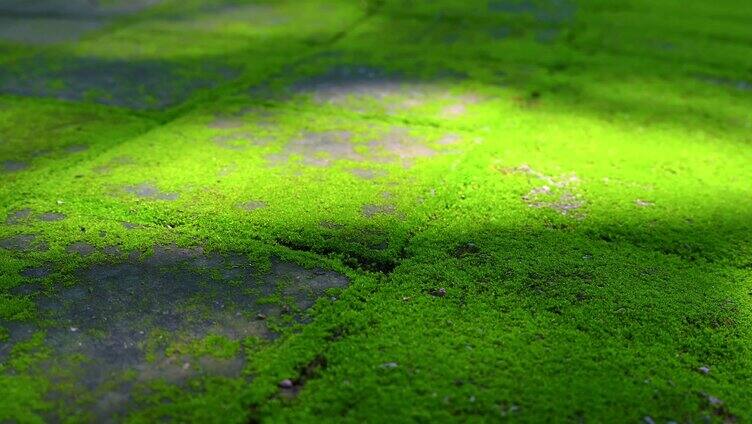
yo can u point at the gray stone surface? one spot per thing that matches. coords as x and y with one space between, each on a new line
58 21
119 312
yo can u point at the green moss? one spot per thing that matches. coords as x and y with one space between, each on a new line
214 345
24 395
574 175
205 402
28 353
16 307
23 399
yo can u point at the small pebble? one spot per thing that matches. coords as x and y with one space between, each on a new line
389 365
286 384
261 316
648 420
704 370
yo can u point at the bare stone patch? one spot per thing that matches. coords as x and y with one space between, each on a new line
319 148
19 216
551 15
546 36
26 289
36 272
76 148
224 123
54 21
40 153
26 215
253 205
112 251
500 33
256 14
449 140
547 12
370 210
74 8
342 82
131 317
23 243
41 30
130 225
13 165
113 164
240 141
511 6
323 148
398 142
81 248
52 217
143 84
365 89
459 105
149 191
556 194
735 84
454 111
564 203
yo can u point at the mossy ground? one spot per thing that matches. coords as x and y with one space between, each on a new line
543 208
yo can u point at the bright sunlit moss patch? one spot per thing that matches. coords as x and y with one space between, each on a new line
535 210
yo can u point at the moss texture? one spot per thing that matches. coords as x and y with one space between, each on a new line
542 209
